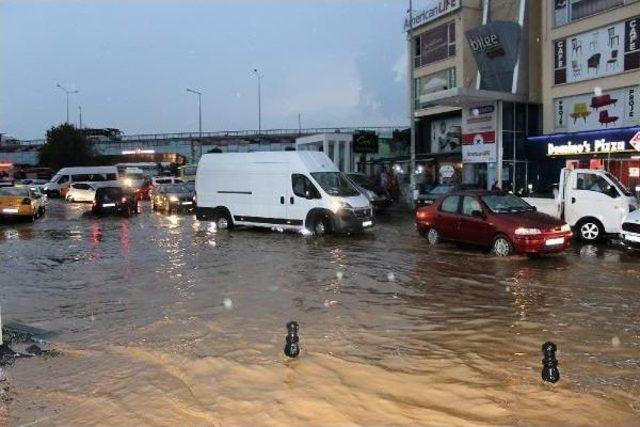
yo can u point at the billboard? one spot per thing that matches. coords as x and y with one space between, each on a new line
365 142
446 135
608 109
495 48
604 51
479 134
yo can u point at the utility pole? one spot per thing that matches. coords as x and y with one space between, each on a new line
259 76
80 117
299 124
68 92
199 122
412 105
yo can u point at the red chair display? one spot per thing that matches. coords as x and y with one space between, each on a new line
593 62
605 118
602 101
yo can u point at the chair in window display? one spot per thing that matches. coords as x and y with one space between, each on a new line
605 118
593 62
575 67
613 37
580 111
613 61
576 46
602 101
593 44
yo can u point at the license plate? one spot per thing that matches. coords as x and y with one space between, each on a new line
187 203
10 210
367 223
109 205
631 238
556 241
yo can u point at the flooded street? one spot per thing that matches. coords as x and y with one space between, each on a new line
162 320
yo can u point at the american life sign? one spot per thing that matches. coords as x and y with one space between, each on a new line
623 140
433 10
479 134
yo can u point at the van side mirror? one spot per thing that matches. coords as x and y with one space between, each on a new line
477 214
308 194
612 192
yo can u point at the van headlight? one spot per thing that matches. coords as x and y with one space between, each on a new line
173 199
565 228
341 204
527 231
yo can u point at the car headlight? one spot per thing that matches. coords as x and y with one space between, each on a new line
128 182
371 195
527 231
565 228
173 199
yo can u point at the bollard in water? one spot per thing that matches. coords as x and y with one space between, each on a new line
292 347
550 372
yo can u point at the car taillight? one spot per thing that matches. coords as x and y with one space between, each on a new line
421 214
124 200
26 201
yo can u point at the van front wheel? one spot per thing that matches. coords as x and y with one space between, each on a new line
320 226
223 220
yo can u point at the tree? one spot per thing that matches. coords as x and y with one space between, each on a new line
66 146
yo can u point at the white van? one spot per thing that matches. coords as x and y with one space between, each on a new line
592 201
294 190
59 184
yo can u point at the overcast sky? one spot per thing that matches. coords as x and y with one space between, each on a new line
337 62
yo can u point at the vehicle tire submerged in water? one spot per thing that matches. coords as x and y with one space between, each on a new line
501 246
590 230
223 220
320 225
432 236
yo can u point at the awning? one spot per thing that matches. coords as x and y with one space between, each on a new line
465 96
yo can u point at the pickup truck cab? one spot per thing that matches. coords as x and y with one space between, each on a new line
593 202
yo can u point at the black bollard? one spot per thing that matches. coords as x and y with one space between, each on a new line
550 372
292 348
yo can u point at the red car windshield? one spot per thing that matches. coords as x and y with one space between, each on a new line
506 203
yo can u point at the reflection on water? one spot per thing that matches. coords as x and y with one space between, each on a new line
165 320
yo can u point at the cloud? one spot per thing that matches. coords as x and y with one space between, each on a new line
400 68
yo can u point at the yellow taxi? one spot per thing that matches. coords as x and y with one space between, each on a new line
19 202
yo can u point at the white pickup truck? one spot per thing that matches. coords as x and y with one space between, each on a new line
593 202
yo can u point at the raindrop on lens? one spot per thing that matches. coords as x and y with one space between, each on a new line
615 341
228 304
339 275
391 277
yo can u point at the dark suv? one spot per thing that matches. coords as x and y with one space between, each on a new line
115 200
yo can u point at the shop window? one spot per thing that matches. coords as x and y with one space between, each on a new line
566 11
435 44
507 115
450 204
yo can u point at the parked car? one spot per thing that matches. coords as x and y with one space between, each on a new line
434 194
172 197
81 192
498 220
292 190
378 196
20 202
631 230
115 200
592 201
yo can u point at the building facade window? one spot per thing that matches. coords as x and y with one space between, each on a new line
435 82
566 11
435 45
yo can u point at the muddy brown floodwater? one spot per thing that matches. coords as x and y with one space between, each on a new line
161 320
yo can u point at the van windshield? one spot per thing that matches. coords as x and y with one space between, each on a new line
335 184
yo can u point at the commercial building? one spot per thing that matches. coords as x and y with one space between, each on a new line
476 89
590 89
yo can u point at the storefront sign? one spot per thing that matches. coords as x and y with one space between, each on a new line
604 51
446 171
446 135
495 48
479 134
365 142
614 108
625 140
434 10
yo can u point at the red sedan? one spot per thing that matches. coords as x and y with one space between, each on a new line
504 222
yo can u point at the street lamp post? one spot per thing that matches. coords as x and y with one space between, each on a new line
199 120
68 92
259 76
412 105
